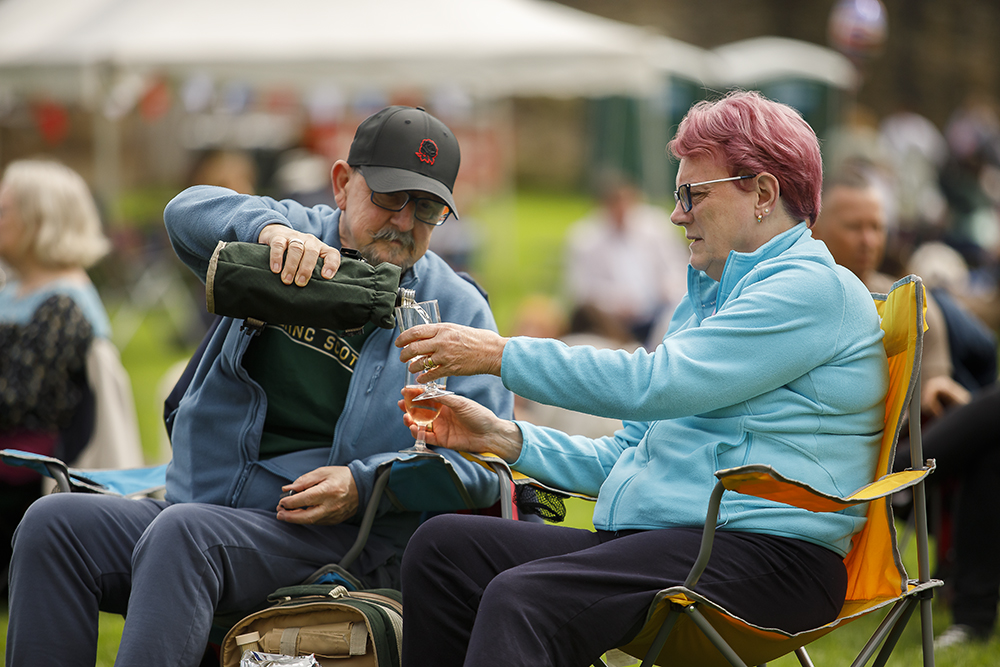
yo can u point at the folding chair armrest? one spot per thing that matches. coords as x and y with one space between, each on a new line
367 519
58 472
764 482
510 478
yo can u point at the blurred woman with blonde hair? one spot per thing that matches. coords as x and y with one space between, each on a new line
50 314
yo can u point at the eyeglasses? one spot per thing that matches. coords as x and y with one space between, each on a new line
682 195
425 209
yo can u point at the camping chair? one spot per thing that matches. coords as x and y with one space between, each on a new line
685 628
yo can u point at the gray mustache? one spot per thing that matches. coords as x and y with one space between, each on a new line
390 234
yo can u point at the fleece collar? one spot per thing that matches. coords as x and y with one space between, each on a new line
707 295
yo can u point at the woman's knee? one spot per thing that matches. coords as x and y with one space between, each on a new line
512 588
436 534
437 543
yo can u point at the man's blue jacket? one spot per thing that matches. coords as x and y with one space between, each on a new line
218 424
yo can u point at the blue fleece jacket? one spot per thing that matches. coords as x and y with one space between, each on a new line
218 424
779 363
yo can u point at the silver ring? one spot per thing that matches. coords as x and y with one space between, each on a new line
298 241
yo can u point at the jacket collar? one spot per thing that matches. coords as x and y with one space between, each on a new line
707 295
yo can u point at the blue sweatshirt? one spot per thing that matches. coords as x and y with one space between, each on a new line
218 424
779 363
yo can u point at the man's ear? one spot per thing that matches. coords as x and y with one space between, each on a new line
340 176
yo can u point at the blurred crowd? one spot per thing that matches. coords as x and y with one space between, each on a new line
938 187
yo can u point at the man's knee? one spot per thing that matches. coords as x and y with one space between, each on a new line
183 524
49 517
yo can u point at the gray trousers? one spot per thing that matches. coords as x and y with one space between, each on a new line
168 568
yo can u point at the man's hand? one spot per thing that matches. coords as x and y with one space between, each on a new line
294 254
326 496
937 394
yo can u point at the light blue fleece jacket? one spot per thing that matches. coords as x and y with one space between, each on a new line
779 363
218 424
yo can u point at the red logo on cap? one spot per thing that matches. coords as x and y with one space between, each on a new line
428 151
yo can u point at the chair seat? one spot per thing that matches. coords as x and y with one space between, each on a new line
688 645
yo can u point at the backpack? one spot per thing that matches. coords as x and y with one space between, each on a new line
337 626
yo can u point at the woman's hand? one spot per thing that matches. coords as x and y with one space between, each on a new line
451 350
294 254
467 426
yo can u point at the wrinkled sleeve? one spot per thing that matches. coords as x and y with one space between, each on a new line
573 462
779 328
201 216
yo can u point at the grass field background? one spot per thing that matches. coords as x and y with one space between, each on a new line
521 254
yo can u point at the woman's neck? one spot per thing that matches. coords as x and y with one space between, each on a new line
34 276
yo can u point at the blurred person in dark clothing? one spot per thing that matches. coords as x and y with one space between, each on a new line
852 224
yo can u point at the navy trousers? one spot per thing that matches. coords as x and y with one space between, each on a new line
481 591
168 568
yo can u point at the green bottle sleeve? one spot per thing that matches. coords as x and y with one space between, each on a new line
240 284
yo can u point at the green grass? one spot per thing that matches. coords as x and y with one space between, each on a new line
522 250
521 255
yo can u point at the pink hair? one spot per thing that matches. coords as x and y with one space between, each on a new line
751 134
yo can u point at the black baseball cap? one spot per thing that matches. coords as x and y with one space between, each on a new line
406 148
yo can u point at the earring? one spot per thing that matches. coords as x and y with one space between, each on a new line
760 218
766 211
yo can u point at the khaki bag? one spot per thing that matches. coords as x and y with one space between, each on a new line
337 626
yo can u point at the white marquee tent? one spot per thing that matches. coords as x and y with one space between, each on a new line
103 52
489 48
751 62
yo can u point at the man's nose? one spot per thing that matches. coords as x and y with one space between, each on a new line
404 220
872 238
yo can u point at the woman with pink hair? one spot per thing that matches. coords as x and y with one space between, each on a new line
774 356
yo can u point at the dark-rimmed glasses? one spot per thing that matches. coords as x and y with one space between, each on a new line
682 195
425 209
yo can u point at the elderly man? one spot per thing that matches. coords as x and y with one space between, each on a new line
263 415
853 226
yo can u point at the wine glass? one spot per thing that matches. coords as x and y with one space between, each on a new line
423 411
419 397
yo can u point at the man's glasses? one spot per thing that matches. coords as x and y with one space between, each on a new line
682 195
430 211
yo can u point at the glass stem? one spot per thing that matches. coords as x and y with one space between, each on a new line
421 444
